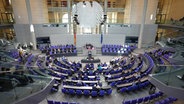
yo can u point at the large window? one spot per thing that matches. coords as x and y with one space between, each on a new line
115 17
58 17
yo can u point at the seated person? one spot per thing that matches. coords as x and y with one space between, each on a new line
95 87
99 83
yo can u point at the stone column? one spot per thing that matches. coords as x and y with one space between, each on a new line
142 23
69 15
33 37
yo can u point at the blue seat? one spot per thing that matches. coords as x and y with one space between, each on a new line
167 100
86 92
147 83
135 87
142 85
129 88
79 92
126 102
157 102
151 97
94 93
65 91
72 103
160 93
50 102
122 90
113 84
140 100
145 99
71 91
133 101
172 99
64 103
162 102
154 96
53 89
109 91
57 102
101 92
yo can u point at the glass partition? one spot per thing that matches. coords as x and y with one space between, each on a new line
171 75
18 81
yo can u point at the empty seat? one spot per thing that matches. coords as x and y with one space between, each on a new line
72 103
50 101
79 92
53 89
71 91
139 100
145 99
94 93
86 92
134 101
57 102
64 103
113 84
172 99
126 102
101 92
122 90
65 91
109 91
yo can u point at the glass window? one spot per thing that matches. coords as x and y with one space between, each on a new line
65 18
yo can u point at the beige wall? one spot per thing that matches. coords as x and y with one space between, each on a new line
176 10
20 12
134 11
151 11
39 11
127 11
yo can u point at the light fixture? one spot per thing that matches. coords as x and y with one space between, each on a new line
31 28
151 16
84 4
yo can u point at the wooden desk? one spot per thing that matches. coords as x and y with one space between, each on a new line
61 67
58 79
92 77
129 84
61 73
86 87
113 74
75 81
113 80
78 87
125 85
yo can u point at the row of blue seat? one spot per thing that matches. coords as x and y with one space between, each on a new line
14 54
93 93
112 71
115 49
58 102
146 99
134 87
127 74
168 100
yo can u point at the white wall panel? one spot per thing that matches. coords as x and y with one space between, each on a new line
23 34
